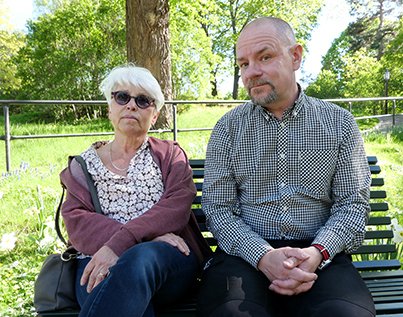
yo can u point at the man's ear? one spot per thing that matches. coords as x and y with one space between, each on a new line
296 55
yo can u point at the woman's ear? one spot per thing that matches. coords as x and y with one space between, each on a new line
155 117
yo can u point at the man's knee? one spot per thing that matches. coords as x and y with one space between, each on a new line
340 307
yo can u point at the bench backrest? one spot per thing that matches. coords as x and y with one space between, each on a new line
378 252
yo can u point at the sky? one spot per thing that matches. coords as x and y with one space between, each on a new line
332 21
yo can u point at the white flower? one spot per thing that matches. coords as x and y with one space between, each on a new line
397 231
398 235
8 241
394 222
47 241
49 222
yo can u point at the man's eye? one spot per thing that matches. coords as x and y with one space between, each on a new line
243 65
265 58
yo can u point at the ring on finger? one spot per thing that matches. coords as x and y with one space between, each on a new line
100 274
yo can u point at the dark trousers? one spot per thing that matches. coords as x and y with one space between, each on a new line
232 287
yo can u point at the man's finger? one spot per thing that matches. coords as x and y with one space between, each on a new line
302 276
296 253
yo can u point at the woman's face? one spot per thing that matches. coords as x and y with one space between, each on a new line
130 119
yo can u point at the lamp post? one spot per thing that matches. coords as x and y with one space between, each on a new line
386 77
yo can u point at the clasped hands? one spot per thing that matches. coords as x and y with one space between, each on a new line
290 270
97 268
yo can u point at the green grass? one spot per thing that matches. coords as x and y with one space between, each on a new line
30 193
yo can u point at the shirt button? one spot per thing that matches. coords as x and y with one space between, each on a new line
285 208
282 156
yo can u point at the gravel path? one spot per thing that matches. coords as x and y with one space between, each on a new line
386 123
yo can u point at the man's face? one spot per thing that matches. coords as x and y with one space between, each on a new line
268 63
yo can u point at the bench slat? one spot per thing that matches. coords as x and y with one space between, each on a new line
379 248
379 234
379 221
377 265
379 206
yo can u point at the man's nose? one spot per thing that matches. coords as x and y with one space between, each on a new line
252 71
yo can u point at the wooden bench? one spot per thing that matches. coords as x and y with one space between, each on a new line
375 259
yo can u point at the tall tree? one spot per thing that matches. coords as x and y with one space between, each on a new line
233 15
376 13
147 40
68 52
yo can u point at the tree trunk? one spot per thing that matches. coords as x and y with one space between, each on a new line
147 38
235 87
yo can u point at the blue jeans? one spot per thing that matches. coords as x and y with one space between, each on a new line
146 274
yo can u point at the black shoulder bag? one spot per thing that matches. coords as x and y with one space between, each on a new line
55 285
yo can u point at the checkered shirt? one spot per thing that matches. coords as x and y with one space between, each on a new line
304 177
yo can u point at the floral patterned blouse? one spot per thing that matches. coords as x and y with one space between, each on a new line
124 198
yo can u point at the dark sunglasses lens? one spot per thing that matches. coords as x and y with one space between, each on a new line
142 102
122 98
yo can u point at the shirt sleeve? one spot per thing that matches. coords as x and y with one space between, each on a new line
345 228
220 203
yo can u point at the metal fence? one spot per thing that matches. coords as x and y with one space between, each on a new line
8 136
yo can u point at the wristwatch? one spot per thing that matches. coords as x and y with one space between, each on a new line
325 255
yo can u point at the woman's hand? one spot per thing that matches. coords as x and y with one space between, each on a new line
175 241
98 268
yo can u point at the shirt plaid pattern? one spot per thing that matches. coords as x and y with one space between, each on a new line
304 177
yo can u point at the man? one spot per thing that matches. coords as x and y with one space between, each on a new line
285 193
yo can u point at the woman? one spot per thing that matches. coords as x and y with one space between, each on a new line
145 247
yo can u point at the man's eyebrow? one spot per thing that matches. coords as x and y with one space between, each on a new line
262 50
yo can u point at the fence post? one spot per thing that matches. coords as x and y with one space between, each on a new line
175 129
7 136
394 112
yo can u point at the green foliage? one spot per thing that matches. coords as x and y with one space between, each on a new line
325 86
191 51
204 33
10 43
352 67
68 52
393 61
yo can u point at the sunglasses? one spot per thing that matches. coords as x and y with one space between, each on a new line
123 98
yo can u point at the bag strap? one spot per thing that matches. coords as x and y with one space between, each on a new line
57 217
91 186
93 192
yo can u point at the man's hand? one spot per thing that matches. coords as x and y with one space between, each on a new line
98 268
288 271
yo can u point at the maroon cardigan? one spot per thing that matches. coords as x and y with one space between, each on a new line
89 231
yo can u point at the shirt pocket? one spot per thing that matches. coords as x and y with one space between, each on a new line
317 168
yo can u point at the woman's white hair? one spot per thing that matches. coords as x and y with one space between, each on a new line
135 76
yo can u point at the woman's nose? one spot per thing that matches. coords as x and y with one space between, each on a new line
131 105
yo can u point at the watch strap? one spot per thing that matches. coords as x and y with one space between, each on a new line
325 256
